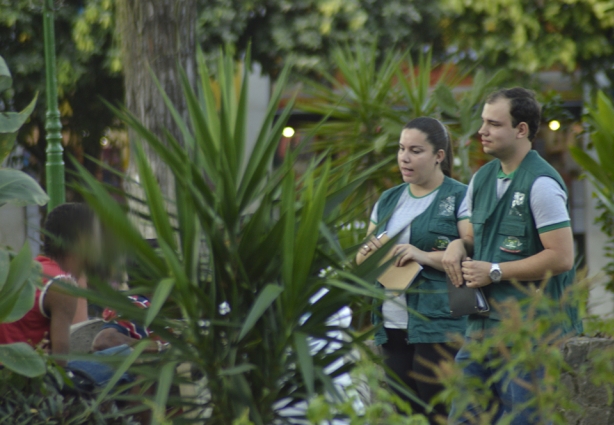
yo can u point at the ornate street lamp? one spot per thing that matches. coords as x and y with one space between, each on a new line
53 126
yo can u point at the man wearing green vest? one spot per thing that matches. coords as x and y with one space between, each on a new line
520 230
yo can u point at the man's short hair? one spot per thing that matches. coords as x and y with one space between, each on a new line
64 227
523 107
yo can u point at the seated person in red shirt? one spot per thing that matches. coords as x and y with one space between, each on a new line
66 232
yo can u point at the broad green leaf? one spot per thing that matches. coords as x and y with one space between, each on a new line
23 304
264 300
305 361
10 123
6 81
19 272
22 359
18 188
589 165
4 266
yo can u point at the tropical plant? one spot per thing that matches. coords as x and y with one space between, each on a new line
19 274
595 161
372 96
236 277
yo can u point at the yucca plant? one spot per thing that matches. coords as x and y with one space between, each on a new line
237 276
373 95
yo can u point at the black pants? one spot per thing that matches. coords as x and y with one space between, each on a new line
403 358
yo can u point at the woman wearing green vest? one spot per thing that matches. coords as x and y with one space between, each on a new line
426 212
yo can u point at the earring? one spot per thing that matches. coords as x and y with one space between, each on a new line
436 162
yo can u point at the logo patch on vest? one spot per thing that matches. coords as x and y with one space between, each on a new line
441 243
511 244
517 202
446 206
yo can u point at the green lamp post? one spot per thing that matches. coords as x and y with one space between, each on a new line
53 126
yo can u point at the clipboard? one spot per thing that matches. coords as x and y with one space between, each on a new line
396 278
465 301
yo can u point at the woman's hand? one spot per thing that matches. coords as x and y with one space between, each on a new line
406 253
372 244
454 255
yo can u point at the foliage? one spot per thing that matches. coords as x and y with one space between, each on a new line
381 404
373 96
18 273
527 341
596 165
43 400
15 187
530 36
83 75
303 33
236 275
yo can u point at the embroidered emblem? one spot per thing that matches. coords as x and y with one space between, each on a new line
511 244
446 206
441 243
517 202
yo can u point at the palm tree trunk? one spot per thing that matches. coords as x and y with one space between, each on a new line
156 36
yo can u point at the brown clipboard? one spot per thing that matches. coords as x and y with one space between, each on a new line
396 278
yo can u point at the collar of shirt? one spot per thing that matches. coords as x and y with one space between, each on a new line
503 176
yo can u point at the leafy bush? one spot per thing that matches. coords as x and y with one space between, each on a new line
237 274
42 400
373 95
595 161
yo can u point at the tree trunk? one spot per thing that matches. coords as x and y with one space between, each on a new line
156 35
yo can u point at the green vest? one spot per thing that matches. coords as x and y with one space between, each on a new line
430 231
504 230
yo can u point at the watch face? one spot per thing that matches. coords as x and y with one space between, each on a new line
495 274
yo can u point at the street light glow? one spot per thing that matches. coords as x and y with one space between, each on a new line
554 125
288 132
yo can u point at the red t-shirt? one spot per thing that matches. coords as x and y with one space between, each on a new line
32 327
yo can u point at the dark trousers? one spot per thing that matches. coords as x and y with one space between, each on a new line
402 359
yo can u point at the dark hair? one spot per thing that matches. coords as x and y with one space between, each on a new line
64 226
523 107
438 136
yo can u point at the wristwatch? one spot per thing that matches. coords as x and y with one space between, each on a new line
495 273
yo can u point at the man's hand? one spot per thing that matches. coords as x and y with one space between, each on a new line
476 273
452 258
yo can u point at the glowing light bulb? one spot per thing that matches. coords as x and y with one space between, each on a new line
288 132
554 125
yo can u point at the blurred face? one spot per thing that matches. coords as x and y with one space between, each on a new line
417 161
499 138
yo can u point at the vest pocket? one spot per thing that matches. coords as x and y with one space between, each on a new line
512 241
442 232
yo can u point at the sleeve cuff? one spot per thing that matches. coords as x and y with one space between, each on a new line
552 227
